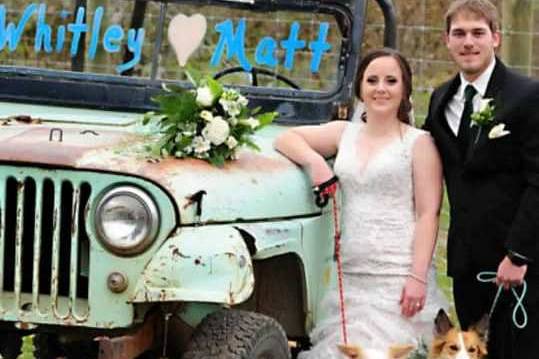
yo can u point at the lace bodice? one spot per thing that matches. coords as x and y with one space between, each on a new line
381 195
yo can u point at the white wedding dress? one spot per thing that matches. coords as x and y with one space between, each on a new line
378 222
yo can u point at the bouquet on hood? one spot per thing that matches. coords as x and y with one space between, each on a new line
210 122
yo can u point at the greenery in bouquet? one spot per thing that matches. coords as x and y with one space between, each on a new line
210 122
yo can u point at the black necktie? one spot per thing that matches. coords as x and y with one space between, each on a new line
463 136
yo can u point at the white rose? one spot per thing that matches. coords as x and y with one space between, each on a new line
242 101
230 94
231 142
216 131
233 121
251 122
204 96
230 107
206 115
484 103
200 145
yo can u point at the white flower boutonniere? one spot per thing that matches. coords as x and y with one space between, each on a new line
485 115
498 131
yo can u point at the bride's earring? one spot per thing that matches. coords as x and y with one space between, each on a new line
359 111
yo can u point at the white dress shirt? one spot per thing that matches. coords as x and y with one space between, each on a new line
455 106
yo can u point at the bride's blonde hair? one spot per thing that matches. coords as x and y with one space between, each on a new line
405 107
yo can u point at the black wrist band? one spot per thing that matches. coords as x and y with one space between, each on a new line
517 259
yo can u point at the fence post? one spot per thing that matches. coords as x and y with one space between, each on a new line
517 44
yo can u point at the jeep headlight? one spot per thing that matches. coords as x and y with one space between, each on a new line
126 220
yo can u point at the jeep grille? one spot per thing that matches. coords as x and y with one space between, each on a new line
44 248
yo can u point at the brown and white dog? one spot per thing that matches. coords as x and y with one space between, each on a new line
451 343
394 352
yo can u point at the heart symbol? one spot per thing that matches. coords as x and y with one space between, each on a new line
185 34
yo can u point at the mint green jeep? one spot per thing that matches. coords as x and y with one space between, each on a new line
107 253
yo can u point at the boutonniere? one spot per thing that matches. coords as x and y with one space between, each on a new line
484 117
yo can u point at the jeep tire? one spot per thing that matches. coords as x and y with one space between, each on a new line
238 334
10 344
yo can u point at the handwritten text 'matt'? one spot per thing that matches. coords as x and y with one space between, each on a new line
111 40
265 53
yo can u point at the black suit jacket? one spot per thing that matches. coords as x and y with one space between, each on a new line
493 187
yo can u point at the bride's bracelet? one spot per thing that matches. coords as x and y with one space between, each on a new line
417 277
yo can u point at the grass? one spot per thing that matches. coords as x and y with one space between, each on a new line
440 260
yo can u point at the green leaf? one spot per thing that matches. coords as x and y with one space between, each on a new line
178 107
244 112
193 75
173 88
256 110
147 117
266 118
251 144
217 160
215 87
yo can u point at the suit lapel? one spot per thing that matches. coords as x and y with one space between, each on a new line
449 138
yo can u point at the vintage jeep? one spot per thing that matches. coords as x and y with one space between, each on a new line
104 253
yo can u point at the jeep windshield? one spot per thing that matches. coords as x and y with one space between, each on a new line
116 55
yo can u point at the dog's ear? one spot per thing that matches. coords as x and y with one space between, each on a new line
442 323
481 327
400 351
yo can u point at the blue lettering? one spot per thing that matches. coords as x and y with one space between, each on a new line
112 39
12 34
43 32
235 43
98 16
134 44
319 46
291 45
77 28
265 52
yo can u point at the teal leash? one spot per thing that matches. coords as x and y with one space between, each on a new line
490 277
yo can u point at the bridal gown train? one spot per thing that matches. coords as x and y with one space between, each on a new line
378 221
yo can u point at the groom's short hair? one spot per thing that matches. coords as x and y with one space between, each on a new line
481 8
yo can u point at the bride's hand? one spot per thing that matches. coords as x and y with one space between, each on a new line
412 297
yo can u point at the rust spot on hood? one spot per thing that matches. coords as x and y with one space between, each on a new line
32 144
26 119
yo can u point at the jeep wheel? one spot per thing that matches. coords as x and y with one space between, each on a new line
10 345
238 334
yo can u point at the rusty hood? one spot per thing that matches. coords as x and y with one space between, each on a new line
258 186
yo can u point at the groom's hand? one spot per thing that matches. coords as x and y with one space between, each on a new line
509 274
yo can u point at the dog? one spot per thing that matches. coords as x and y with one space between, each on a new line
394 352
451 343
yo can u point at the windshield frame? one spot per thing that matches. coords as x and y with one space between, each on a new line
102 91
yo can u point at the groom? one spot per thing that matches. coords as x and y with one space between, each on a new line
492 176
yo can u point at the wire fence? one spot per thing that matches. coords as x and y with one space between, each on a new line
420 39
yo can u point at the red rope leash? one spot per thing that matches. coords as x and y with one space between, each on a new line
339 268
323 192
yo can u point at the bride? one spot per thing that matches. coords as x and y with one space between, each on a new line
391 179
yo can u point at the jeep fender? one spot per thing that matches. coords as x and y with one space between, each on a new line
198 264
